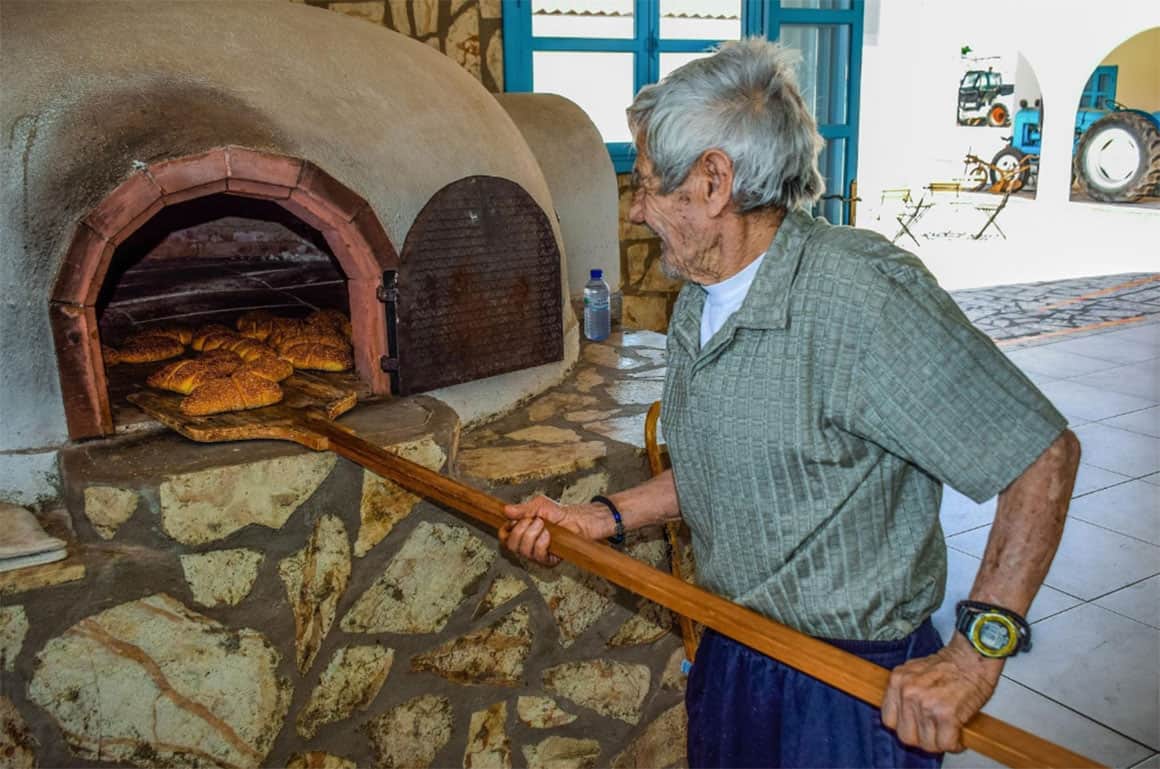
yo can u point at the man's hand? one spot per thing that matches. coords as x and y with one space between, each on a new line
526 535
929 699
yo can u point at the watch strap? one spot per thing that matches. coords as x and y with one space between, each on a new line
967 611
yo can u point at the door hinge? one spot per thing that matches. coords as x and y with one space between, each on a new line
388 290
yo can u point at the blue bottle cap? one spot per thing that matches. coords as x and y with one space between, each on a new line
596 274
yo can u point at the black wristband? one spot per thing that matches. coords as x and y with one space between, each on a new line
618 537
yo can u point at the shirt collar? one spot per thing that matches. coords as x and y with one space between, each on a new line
767 303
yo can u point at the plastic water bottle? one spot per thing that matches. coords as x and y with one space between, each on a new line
597 313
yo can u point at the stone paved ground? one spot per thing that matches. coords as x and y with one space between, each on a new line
1026 313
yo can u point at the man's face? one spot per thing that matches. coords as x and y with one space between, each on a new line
677 218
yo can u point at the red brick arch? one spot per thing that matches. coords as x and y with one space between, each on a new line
344 218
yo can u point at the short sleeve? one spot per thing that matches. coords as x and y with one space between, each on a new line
934 390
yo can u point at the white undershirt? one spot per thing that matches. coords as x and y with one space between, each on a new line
724 298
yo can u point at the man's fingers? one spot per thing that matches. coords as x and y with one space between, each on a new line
518 540
529 538
927 730
890 707
950 737
541 544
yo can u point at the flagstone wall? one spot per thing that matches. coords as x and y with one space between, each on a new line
256 604
469 31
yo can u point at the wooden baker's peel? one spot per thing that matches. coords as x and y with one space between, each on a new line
305 417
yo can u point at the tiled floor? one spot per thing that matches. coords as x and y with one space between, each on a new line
1092 680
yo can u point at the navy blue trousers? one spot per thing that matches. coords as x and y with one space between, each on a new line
747 710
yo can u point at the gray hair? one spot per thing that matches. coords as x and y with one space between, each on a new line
744 101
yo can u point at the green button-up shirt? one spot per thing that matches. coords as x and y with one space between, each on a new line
811 436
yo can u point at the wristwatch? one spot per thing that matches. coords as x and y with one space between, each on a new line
995 632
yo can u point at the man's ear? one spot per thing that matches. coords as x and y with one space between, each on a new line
717 168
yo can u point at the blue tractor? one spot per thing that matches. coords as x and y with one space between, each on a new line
1116 152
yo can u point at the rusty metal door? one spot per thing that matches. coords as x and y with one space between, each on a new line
478 288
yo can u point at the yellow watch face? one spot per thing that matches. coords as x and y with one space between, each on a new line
994 635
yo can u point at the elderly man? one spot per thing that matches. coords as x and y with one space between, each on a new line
821 388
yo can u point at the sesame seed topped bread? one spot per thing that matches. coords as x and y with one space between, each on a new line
256 324
332 319
148 349
184 376
240 391
320 357
269 367
210 330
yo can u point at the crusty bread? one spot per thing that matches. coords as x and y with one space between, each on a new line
327 337
239 391
285 328
226 339
111 355
320 357
147 349
256 324
212 329
247 348
230 359
184 376
332 319
178 331
270 367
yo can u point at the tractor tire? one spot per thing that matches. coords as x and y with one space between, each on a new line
998 115
1007 160
1118 158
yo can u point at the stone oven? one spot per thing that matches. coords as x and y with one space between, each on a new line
194 160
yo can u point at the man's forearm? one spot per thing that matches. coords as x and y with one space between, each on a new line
1028 525
654 501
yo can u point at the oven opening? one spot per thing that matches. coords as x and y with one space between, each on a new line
210 261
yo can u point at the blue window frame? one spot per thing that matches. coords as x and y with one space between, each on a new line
645 46
827 32
1100 89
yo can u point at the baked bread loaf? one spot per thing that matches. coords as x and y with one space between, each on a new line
269 367
256 324
184 376
284 328
247 348
228 357
147 349
225 339
111 355
239 391
179 331
332 319
320 357
328 337
213 329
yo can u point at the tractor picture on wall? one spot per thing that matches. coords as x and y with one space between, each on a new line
980 99
1116 152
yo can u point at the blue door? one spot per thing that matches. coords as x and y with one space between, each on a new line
828 33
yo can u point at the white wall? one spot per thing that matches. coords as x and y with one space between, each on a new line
908 136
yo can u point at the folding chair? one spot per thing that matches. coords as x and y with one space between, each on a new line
994 213
910 215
